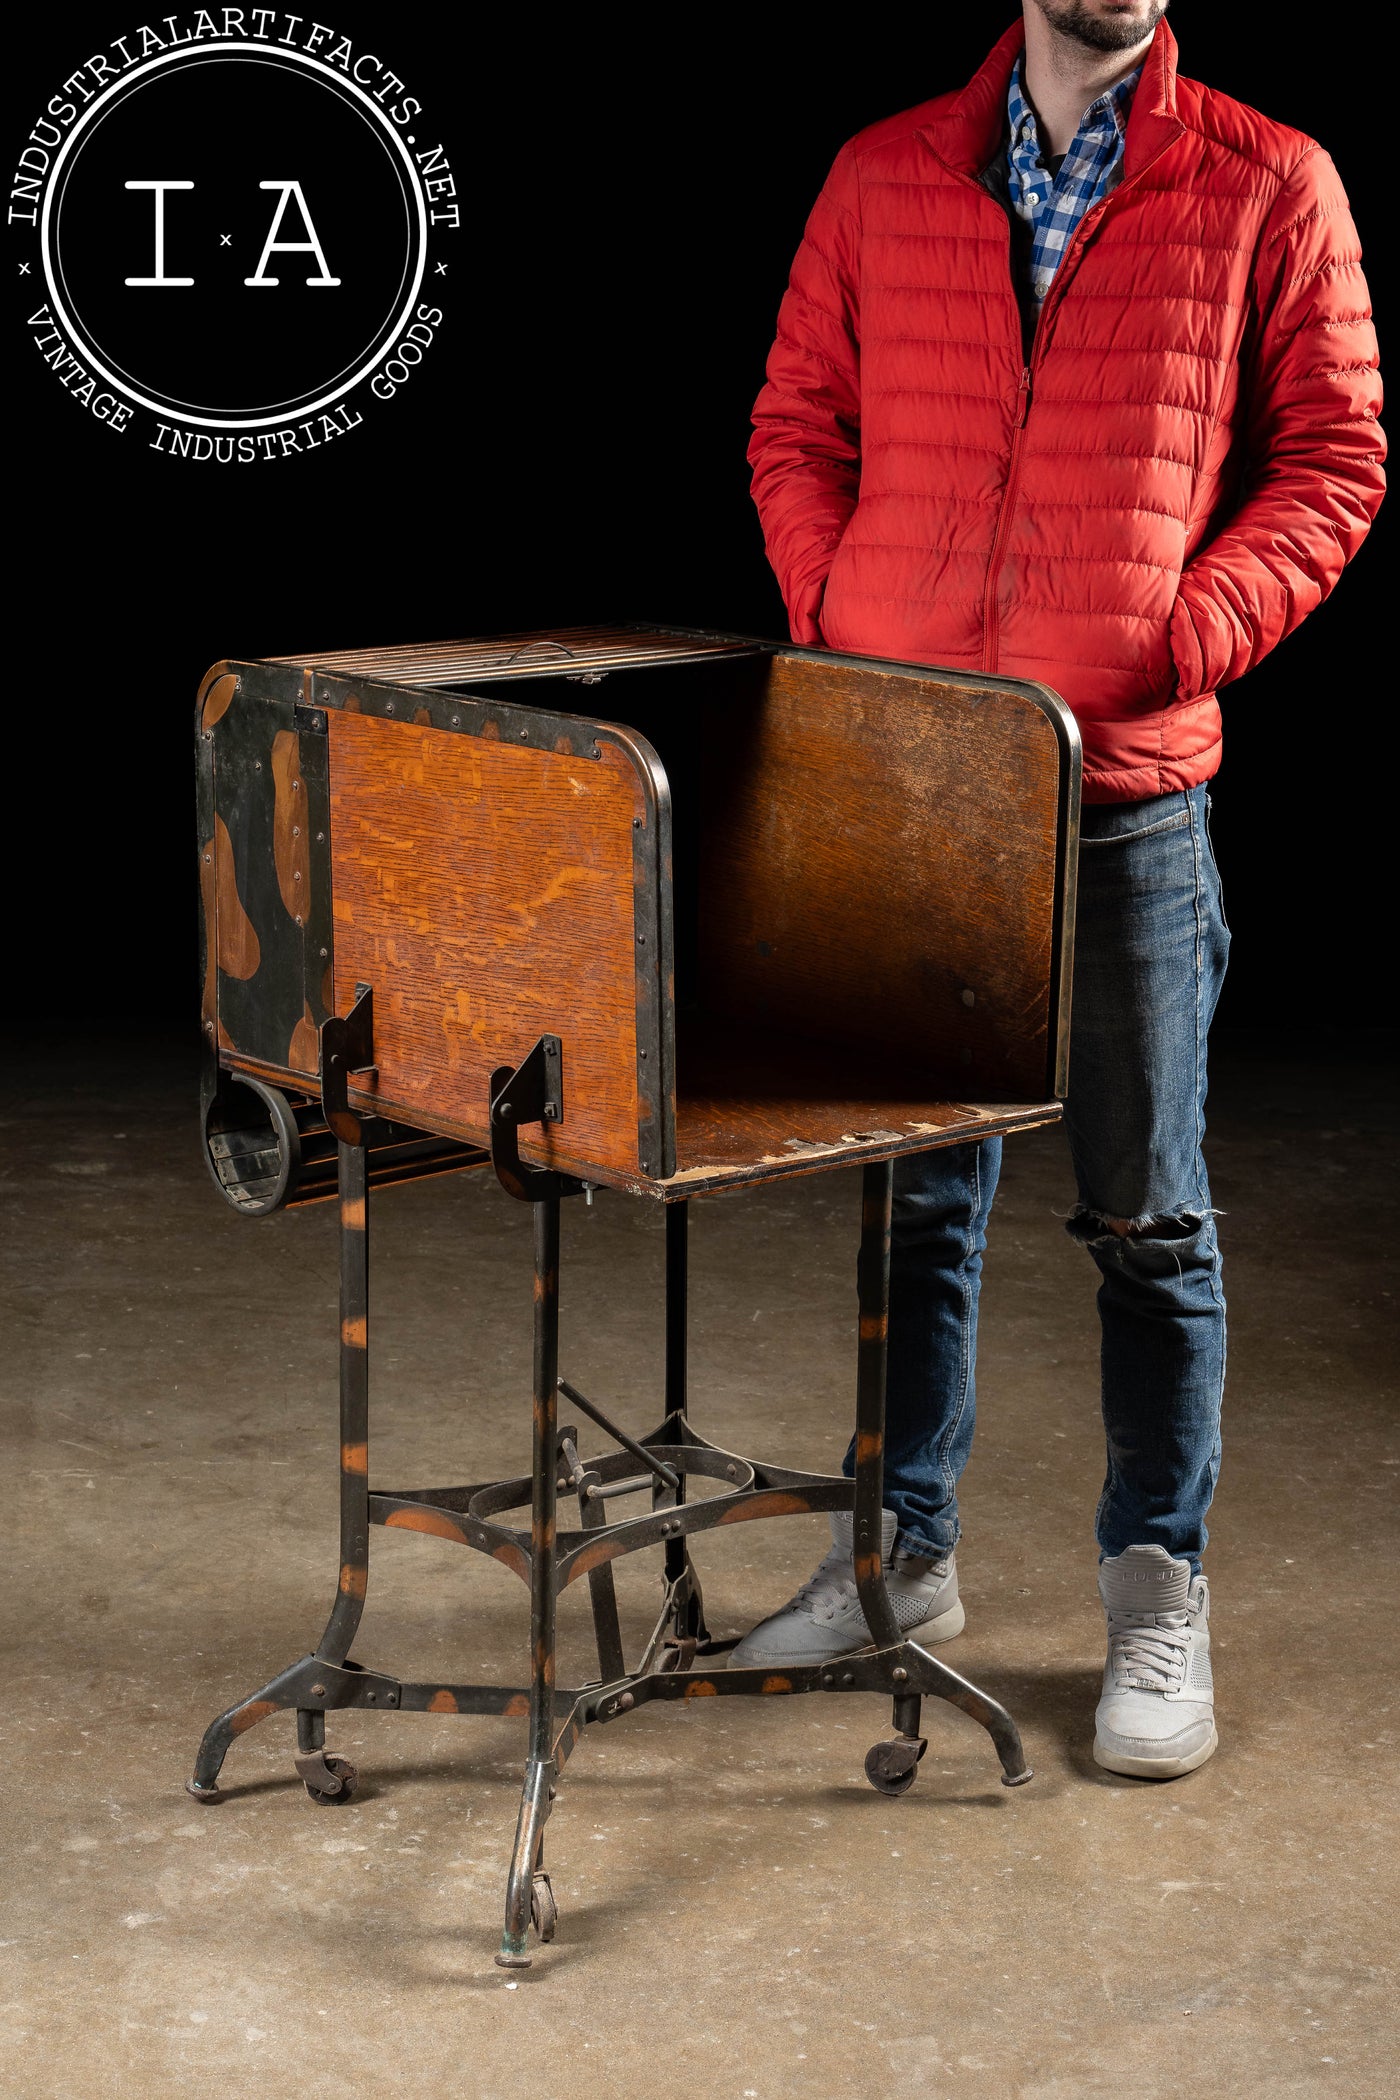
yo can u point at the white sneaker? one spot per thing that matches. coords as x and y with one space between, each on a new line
825 1620
1156 1718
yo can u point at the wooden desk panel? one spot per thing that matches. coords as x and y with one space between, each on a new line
486 892
880 867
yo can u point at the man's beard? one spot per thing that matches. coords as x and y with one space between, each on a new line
1072 18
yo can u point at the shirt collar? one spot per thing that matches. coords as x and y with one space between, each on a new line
1115 103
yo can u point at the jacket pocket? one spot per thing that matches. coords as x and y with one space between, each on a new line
804 613
1201 646
831 590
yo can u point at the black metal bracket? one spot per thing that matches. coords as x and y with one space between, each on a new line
533 1092
347 1046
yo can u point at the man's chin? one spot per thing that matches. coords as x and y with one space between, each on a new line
1115 32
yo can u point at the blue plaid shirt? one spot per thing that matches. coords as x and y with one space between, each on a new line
1052 206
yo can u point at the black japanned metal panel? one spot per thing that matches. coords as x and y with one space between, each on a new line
319 929
204 832
264 821
261 978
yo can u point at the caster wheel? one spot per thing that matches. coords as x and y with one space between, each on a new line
544 1911
203 1793
891 1768
341 1769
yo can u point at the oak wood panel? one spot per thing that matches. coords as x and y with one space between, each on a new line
879 868
485 891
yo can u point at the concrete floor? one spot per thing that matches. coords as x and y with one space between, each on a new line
741 1915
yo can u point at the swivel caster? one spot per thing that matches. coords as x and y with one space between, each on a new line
544 1911
329 1781
891 1767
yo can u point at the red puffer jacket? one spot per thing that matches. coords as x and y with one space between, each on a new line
1137 516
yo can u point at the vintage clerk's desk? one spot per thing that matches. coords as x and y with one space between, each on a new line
768 911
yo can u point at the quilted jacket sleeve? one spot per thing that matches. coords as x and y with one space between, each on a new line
1313 478
805 452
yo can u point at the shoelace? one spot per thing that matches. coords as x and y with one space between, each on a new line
1150 1656
832 1585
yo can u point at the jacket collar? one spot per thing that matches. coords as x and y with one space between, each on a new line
1154 122
969 131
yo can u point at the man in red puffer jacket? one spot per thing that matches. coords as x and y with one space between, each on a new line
1075 381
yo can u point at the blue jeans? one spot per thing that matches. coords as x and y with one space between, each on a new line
1150 948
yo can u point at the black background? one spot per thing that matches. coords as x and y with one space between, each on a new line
573 450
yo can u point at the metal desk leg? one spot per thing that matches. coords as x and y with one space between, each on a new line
890 1766
349 1605
677 1305
335 1778
677 1366
873 1286
895 1761
528 1888
688 1622
332 1776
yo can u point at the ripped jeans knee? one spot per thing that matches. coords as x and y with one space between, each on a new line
1090 1226
1154 1248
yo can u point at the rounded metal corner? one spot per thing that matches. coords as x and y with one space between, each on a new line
646 761
1061 714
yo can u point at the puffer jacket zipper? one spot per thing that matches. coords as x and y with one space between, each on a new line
990 618
991 611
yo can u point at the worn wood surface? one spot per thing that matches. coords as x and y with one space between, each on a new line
878 868
753 1105
485 891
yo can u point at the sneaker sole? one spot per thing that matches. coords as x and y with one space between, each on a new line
945 1627
1154 1767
